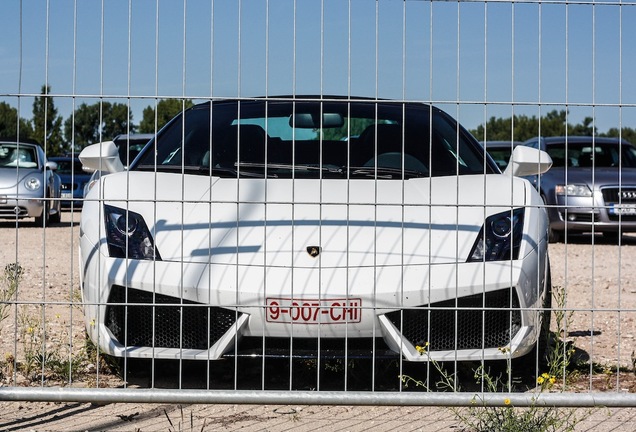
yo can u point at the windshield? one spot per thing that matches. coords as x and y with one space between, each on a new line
315 140
69 166
12 155
592 154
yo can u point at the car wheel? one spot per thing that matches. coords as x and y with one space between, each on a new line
554 236
611 236
541 349
43 219
546 317
56 218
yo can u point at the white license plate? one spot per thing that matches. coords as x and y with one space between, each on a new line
3 199
314 311
623 209
67 195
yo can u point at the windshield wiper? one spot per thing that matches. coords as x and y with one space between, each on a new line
226 172
298 167
385 172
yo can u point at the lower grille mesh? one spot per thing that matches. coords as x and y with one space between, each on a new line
493 318
178 324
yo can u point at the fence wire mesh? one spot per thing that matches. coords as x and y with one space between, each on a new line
365 202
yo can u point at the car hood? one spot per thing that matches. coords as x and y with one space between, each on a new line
283 222
594 178
11 177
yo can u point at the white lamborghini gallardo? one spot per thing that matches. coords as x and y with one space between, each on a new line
299 226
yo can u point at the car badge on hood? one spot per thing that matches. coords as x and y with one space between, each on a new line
313 251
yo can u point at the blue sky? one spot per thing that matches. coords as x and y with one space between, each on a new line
473 59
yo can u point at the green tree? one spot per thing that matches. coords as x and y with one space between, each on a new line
625 133
166 110
10 123
583 129
352 127
47 124
100 121
522 127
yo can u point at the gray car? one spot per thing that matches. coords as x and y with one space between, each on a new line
591 186
29 186
500 151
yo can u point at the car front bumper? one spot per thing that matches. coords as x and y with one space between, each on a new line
12 207
588 214
175 310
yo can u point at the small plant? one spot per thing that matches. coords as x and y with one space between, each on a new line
182 425
49 356
11 280
559 355
478 417
31 342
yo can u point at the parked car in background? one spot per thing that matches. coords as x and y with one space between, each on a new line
73 178
591 186
248 223
29 186
500 151
128 147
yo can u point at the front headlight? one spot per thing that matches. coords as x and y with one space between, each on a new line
499 238
579 190
128 236
32 183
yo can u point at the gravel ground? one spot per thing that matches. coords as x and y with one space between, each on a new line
597 277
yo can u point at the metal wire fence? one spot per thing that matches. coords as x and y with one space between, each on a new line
320 222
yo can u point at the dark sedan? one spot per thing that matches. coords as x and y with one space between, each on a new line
73 179
591 186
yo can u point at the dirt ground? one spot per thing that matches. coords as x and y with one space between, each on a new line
597 278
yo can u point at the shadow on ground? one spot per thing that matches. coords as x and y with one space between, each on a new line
328 375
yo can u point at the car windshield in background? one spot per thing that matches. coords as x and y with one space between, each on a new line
22 156
69 166
315 140
588 154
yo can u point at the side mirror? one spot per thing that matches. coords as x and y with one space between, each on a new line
51 165
528 161
102 156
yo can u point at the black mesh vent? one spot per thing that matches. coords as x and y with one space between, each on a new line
186 324
477 325
614 195
625 195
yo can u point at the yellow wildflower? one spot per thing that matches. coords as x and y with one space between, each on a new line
552 379
421 349
540 380
545 375
506 401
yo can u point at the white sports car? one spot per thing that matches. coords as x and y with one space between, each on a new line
300 226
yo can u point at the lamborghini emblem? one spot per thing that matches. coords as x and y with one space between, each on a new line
313 251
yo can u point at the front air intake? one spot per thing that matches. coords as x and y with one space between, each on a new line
478 321
146 319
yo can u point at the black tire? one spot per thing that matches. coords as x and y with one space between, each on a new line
554 236
611 236
56 218
44 218
526 365
546 316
